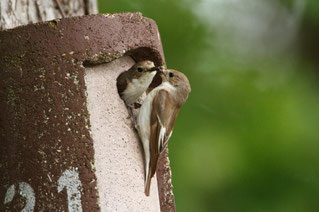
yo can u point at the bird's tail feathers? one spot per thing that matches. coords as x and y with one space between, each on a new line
148 183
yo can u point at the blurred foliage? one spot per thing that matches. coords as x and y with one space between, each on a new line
247 138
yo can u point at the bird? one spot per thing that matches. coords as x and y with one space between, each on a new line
132 83
157 117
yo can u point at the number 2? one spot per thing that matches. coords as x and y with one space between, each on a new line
26 191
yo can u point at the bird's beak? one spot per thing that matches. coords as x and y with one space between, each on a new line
156 68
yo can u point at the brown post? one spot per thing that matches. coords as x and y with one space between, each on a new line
66 142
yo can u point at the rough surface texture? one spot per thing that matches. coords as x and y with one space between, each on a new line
165 186
118 151
46 146
15 13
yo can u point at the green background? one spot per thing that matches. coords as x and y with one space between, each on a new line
247 138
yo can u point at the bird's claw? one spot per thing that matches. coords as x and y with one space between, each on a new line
137 105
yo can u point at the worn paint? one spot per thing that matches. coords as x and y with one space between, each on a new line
70 180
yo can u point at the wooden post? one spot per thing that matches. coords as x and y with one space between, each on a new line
66 142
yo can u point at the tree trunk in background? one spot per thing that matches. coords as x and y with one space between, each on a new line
15 13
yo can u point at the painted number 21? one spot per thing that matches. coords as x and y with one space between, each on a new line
68 180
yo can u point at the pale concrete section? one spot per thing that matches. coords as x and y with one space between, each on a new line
118 152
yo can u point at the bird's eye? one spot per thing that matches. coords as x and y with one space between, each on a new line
139 69
171 74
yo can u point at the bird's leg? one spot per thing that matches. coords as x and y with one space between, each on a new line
131 114
134 120
130 110
137 127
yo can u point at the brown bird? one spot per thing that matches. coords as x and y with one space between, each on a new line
157 117
132 83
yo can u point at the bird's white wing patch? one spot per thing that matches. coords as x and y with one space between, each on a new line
166 142
161 138
161 135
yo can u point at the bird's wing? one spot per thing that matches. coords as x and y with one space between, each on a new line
122 82
163 117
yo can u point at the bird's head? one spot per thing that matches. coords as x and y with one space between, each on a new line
177 80
143 68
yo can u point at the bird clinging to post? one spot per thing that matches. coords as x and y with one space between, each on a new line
157 117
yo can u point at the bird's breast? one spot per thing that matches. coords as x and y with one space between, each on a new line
137 87
144 116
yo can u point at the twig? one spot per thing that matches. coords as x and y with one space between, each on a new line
60 8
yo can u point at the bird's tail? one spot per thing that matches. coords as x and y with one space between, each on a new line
148 183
